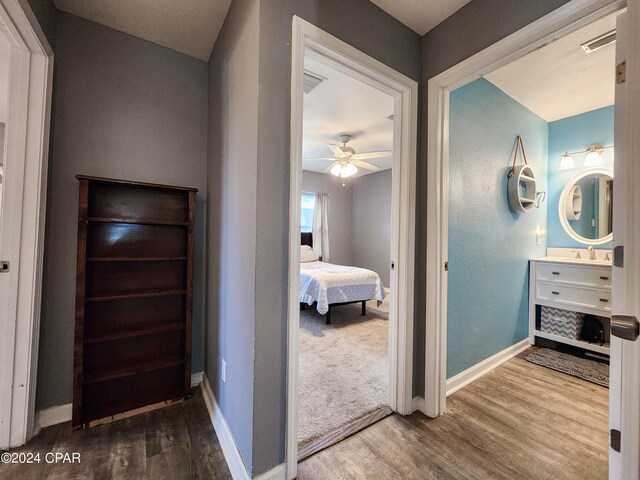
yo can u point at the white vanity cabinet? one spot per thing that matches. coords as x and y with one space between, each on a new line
574 285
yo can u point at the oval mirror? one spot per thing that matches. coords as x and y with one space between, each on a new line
586 207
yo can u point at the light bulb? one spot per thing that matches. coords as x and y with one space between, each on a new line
349 169
566 163
593 157
336 169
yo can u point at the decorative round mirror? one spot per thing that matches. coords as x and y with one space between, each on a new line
586 207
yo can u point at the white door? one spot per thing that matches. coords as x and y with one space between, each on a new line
624 402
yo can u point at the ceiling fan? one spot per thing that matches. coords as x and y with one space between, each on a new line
346 161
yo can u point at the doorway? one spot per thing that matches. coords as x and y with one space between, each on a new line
24 174
311 42
558 24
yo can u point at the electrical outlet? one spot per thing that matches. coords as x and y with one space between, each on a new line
223 371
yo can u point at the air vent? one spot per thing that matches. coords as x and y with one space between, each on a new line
311 81
599 42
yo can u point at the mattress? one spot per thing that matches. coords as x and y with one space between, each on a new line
327 284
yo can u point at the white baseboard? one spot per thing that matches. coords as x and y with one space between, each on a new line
53 416
62 413
196 379
225 437
417 404
463 379
276 473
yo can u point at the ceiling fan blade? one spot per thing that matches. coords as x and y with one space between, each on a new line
328 169
367 155
333 159
367 165
336 150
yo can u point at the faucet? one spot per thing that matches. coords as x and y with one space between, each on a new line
592 253
577 252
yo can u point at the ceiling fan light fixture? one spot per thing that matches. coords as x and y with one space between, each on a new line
344 169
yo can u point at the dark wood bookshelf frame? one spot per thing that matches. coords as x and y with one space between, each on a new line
120 342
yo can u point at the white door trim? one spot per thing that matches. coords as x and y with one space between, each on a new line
561 21
22 234
310 40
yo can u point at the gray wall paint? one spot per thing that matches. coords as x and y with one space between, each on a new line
231 224
371 237
2 125
375 33
474 27
126 108
45 12
340 214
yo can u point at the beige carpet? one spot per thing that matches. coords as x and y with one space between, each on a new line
343 372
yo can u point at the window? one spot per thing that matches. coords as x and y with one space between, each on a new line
308 203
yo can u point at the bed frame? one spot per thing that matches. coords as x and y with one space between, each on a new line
306 238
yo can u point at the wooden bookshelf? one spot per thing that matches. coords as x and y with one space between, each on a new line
134 293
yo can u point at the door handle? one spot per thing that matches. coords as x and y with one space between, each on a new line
625 327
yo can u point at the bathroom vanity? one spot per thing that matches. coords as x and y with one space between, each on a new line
570 284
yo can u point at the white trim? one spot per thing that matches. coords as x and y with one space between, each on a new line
22 233
196 379
561 21
225 437
53 416
472 374
417 404
276 473
310 40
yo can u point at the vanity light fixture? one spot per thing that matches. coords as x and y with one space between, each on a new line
566 163
593 158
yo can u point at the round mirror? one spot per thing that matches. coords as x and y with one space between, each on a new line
586 207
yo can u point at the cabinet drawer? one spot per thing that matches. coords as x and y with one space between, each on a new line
574 296
583 275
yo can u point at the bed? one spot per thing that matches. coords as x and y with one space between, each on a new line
328 285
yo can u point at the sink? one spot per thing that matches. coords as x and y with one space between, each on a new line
582 261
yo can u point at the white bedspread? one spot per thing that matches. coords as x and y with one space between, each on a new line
327 283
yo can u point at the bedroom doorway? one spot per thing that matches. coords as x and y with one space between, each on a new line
354 336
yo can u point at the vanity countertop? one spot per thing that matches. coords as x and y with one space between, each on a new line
575 261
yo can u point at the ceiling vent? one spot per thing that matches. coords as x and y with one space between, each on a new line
599 42
311 81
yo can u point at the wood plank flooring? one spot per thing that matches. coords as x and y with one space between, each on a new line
521 421
176 442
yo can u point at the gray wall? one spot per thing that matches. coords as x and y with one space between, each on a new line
126 108
231 224
371 237
2 125
373 32
45 12
471 29
340 214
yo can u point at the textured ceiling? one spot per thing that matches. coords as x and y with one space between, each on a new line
342 104
187 26
420 15
561 80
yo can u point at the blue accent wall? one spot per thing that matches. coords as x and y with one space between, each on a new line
489 246
575 134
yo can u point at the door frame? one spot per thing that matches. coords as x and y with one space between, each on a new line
569 17
22 241
310 40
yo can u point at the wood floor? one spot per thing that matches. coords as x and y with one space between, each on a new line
521 421
176 442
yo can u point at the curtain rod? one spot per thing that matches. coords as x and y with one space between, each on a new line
313 193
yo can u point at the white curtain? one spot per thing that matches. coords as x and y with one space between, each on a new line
321 226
